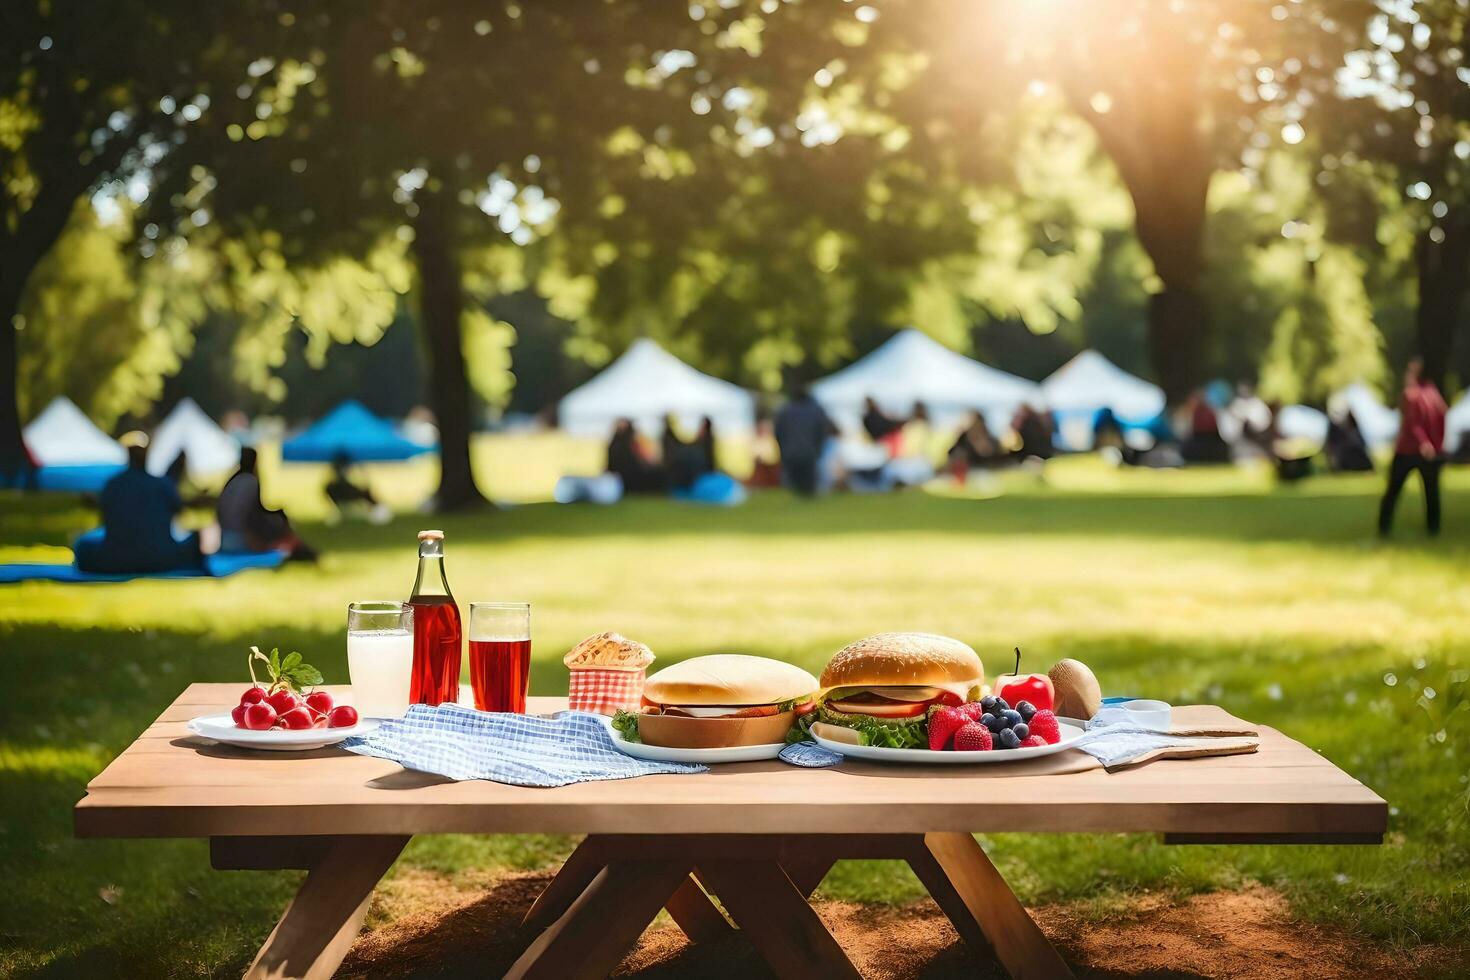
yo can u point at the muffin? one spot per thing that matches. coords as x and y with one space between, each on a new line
607 672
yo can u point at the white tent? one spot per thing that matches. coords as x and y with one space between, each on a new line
188 429
647 383
1090 382
1457 424
1302 422
62 435
1378 423
913 367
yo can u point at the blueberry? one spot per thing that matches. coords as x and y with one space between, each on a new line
988 702
1002 704
993 723
1012 717
1027 709
1021 729
1008 739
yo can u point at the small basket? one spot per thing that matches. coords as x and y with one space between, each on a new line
604 690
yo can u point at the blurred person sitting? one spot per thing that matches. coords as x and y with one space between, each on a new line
1345 448
247 525
974 448
345 494
766 471
1107 431
1204 443
138 510
881 427
683 461
802 429
704 441
1034 429
1420 446
627 459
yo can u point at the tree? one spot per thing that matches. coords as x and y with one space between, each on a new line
92 94
1405 114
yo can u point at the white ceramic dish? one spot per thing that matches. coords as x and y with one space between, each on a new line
221 728
1072 730
662 753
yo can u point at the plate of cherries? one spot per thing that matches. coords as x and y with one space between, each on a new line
283 715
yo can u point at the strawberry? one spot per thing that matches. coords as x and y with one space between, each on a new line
973 710
1032 742
943 723
972 737
1044 724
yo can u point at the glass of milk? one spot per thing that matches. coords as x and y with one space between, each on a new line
380 657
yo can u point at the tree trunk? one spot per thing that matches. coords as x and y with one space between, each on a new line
441 302
1444 277
1177 331
15 271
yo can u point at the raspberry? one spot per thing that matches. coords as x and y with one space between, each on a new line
1032 742
972 737
943 723
1044 723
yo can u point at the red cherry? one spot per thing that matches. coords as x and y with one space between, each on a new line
342 716
254 694
320 701
238 713
297 718
259 717
283 701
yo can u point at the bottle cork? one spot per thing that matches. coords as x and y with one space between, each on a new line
431 535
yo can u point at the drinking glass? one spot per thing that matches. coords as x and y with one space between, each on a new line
500 655
380 657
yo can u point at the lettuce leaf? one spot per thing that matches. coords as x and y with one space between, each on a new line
626 724
888 733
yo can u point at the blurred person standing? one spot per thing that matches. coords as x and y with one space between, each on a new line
1420 446
802 428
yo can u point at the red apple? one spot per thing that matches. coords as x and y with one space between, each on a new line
1017 687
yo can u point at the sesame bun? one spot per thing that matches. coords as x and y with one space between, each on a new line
903 660
728 678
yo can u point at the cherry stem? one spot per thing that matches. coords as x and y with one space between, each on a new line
1018 661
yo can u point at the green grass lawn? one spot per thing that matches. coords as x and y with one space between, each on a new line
1212 585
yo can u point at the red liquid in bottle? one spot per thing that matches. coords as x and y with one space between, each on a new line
437 633
500 671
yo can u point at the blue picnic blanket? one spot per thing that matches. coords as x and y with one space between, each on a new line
215 566
461 743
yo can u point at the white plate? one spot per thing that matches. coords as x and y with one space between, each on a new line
221 728
662 753
1072 730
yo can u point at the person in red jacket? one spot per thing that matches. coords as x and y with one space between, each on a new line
1420 446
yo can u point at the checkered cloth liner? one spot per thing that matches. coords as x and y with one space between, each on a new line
461 743
605 692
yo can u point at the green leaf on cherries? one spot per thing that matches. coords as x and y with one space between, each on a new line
289 673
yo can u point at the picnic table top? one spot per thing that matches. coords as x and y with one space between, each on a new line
169 784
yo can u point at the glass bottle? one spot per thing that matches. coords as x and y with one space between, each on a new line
437 633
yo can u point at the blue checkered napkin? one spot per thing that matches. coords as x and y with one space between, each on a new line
461 743
809 755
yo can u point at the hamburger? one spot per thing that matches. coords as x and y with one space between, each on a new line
720 701
879 691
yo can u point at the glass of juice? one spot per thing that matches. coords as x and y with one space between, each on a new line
500 655
380 657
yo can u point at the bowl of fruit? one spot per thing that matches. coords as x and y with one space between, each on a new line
284 715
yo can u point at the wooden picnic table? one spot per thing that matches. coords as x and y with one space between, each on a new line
759 837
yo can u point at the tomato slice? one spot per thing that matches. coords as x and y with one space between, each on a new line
805 708
758 711
949 698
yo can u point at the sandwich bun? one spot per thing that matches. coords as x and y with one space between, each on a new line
728 679
904 660
680 732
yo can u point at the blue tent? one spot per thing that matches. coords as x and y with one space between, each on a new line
350 430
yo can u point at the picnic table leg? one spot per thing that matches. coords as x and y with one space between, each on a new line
974 895
314 933
775 915
599 928
689 907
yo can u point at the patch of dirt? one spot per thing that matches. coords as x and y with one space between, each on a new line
425 925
